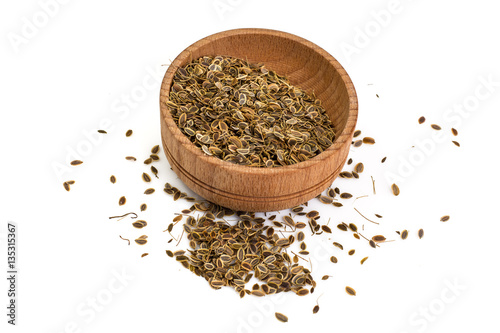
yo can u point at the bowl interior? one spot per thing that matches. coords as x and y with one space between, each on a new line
306 65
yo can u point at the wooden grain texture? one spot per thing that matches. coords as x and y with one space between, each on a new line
261 189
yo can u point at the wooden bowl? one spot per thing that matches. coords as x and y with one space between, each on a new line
254 189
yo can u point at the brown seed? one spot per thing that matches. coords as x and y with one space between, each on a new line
404 234
112 179
146 177
351 252
154 157
378 215
350 291
144 254
142 240
363 260
312 214
383 160
378 238
420 233
281 317
353 227
436 127
359 167
66 186
139 224
170 253
456 143
355 236
372 243
338 245
346 195
155 149
421 120
357 143
395 189
316 309
326 229
131 158
445 218
143 207
342 227
148 160
128 133
325 277
454 131
76 162
368 140
349 162
337 204
333 259
102 131
154 171
356 133
149 191
122 201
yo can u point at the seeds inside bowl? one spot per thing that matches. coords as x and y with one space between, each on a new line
246 114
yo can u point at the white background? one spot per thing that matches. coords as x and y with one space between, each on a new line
75 70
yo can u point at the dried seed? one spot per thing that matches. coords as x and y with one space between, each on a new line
325 200
312 214
436 127
122 201
378 238
338 245
421 120
325 277
154 157
378 215
369 141
456 143
70 182
146 177
383 160
356 133
346 195
445 218
154 171
349 162
404 234
326 229
76 162
351 252
143 207
333 259
148 160
130 158
363 260
128 133
331 193
315 309
112 179
395 189
357 143
149 191
66 186
337 204
454 131
102 131
139 224
372 243
350 291
281 317
342 227
170 253
141 240
144 254
420 233
155 149
359 167
353 227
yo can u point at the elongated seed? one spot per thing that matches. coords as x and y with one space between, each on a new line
122 201
395 189
350 291
112 179
281 317
128 133
420 233
445 218
76 162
